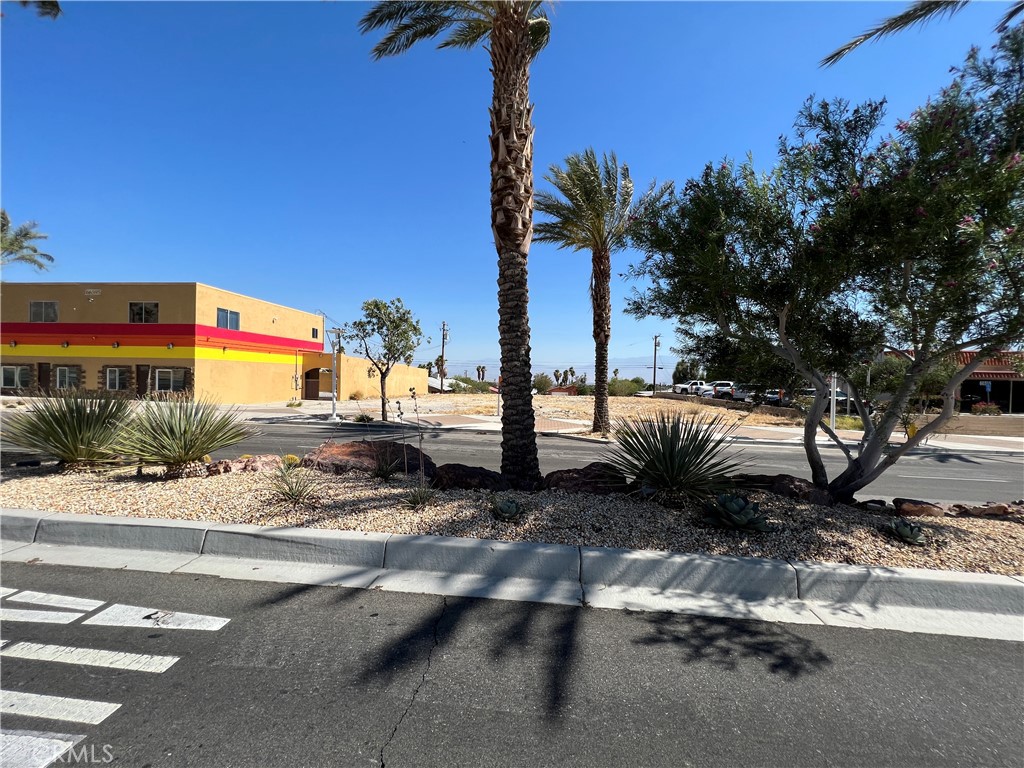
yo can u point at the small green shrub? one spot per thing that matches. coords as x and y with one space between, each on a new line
672 456
245 456
79 428
363 418
735 512
847 422
294 486
290 460
420 497
388 461
207 459
293 404
622 388
905 531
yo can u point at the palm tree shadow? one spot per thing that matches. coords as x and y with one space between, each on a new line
724 643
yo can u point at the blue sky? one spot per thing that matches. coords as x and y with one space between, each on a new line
255 146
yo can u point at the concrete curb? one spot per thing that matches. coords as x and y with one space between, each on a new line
947 602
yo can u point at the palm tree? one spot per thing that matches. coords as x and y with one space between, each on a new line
47 9
916 13
591 210
17 244
514 32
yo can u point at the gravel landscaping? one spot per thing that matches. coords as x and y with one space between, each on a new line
356 501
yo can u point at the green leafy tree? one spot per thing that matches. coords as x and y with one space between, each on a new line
387 334
513 32
18 246
542 383
848 246
917 13
591 209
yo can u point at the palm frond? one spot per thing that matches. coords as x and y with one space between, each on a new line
47 9
919 12
468 33
1015 10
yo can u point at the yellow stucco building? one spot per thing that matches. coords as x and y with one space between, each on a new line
164 337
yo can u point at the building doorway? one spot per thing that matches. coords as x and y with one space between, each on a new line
311 385
43 377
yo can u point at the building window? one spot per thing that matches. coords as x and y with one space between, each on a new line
16 377
316 333
117 378
170 379
227 319
67 378
42 311
143 312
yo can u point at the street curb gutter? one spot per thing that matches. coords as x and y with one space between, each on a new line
979 605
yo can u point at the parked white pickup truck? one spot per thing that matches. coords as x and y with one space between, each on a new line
688 387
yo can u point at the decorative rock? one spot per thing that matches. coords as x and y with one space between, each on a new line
798 488
754 482
873 505
364 456
917 508
985 510
265 462
599 478
470 478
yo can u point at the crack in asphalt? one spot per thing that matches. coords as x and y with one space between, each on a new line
423 679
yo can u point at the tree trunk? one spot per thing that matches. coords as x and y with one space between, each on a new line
383 397
601 301
512 224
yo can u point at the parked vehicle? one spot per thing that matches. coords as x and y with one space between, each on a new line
691 387
775 397
842 398
746 392
720 389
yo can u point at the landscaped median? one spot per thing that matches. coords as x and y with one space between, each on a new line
979 605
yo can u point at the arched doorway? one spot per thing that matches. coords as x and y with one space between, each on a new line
311 384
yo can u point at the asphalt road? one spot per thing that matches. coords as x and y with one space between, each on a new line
328 676
942 477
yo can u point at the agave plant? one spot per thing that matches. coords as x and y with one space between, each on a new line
735 512
675 456
420 497
906 531
504 508
78 428
179 432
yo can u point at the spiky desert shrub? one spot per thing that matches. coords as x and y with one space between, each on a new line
738 513
79 428
673 456
294 486
179 432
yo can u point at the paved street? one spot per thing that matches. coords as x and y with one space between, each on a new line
961 476
321 676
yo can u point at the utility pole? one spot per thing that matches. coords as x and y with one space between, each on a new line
335 348
444 338
654 374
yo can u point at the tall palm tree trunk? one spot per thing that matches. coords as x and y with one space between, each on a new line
512 223
601 302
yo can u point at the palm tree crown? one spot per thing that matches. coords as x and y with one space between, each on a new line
410 21
17 244
917 12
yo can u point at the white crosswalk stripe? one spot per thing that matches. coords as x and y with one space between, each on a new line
93 657
5 591
33 749
136 616
57 601
43 617
56 707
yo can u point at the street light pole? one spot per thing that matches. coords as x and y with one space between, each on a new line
335 348
654 374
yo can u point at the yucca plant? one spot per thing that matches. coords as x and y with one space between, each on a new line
906 531
179 432
294 486
420 497
76 427
673 456
735 512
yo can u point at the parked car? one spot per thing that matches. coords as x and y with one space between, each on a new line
719 389
775 397
691 387
746 392
841 400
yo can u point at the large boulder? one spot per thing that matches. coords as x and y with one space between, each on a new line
598 477
798 488
917 508
449 476
365 455
264 462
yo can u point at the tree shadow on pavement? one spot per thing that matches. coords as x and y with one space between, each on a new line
725 643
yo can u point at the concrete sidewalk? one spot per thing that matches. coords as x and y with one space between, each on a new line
911 600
